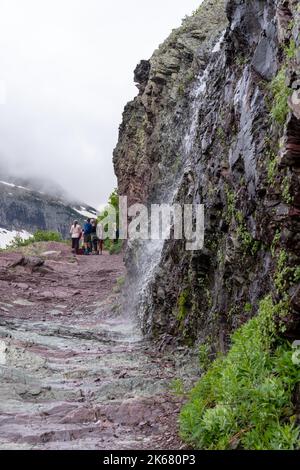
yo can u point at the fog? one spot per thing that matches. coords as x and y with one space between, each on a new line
66 72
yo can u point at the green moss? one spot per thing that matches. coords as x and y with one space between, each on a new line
245 398
291 49
241 61
275 242
248 307
221 134
249 245
285 275
286 195
230 203
182 305
180 89
281 93
272 168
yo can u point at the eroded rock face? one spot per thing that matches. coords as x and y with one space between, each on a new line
201 131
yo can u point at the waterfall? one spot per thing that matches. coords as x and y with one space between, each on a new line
149 253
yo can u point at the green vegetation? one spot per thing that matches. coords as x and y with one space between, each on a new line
38 236
272 168
220 134
248 243
119 284
245 398
248 307
241 60
275 242
182 303
181 89
230 202
286 195
113 246
290 50
296 277
177 387
204 360
281 93
285 275
113 201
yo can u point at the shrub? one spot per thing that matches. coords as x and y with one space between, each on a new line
47 236
115 247
245 398
38 236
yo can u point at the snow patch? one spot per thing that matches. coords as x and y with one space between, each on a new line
7 236
85 213
14 185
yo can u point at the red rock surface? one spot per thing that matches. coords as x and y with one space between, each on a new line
75 372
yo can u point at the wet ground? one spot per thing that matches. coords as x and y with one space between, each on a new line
75 371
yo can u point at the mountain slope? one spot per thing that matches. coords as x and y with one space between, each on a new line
25 209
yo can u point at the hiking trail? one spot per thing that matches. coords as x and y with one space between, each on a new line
75 371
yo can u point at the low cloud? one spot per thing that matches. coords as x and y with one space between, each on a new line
66 72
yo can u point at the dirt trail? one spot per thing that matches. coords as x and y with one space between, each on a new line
75 372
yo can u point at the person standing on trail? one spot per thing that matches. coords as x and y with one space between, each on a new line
100 236
94 238
75 233
87 230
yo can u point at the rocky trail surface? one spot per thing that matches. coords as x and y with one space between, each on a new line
75 372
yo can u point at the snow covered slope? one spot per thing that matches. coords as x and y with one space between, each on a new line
24 209
7 236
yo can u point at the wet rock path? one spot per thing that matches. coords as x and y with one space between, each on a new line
74 371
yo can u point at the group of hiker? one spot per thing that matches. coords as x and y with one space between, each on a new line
87 239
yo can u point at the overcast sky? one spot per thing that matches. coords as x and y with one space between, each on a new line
67 69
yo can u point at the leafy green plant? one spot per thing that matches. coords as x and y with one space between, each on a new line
245 398
297 275
285 275
204 360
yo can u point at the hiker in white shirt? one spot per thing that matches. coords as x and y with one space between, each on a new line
75 232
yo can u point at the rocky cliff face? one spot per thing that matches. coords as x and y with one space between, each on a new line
25 208
217 121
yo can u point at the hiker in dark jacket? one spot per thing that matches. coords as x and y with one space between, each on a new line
94 237
87 230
